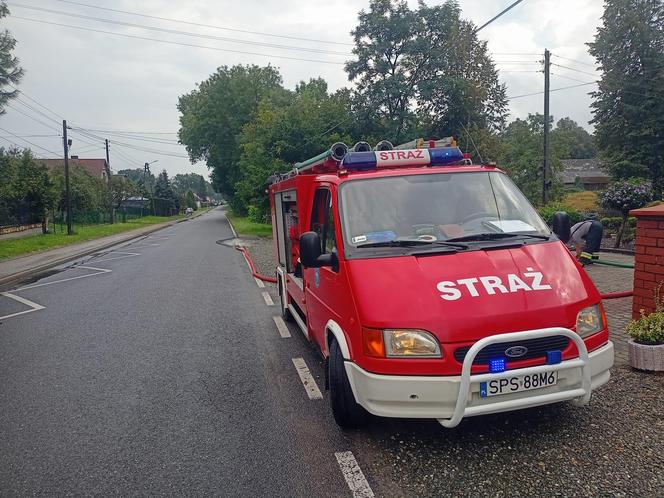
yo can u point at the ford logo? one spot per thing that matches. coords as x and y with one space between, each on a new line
516 351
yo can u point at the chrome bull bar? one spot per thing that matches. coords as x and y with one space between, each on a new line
580 395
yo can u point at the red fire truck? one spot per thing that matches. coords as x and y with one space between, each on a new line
432 287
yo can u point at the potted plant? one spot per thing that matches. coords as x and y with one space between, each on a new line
646 346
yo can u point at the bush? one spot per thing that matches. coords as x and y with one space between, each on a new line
550 209
255 214
626 195
649 329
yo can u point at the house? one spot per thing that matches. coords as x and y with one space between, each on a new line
589 172
96 167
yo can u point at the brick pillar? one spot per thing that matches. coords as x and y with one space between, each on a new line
649 257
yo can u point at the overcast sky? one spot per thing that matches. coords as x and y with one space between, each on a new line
100 81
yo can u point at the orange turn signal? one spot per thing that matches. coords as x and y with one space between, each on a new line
372 343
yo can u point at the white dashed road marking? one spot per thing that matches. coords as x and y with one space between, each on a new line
22 300
259 283
281 326
353 474
307 379
267 298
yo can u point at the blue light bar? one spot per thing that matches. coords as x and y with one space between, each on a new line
445 155
554 357
496 365
359 160
363 161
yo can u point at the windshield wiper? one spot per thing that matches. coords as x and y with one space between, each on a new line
498 235
411 243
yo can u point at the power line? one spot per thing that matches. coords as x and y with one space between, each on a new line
169 42
179 32
35 101
29 142
510 7
553 90
50 127
574 69
191 23
574 60
133 132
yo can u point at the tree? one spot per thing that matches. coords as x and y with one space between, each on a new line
523 157
26 190
165 200
624 196
10 70
425 70
213 115
628 105
121 190
573 141
191 181
88 194
139 178
281 135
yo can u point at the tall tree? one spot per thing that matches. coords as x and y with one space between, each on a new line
573 140
212 117
10 70
628 105
165 200
425 66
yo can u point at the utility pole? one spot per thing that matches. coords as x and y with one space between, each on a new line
65 142
110 184
547 128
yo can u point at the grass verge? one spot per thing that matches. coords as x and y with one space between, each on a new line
37 243
244 226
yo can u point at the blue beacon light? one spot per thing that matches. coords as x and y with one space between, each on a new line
496 365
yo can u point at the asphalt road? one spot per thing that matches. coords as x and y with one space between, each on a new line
167 376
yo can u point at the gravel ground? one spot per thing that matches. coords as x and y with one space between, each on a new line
613 447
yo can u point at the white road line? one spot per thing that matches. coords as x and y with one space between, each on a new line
231 225
267 298
353 474
22 300
281 327
99 272
259 283
307 379
144 244
113 258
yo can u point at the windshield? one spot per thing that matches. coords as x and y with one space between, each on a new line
473 206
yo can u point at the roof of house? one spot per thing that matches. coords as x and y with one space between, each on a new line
589 170
95 167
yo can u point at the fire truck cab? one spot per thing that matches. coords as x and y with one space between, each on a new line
432 287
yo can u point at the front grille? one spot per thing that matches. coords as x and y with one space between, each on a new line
536 348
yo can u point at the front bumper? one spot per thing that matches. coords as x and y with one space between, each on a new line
450 398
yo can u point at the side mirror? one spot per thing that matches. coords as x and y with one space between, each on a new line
309 249
310 255
561 226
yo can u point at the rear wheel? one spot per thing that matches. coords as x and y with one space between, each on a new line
347 412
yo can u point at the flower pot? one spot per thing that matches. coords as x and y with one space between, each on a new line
646 357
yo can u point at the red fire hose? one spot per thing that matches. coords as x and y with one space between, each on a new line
254 272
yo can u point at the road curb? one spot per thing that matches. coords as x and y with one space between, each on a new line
16 278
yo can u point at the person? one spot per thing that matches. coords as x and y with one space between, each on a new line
586 237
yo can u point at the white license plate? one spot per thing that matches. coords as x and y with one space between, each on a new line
518 383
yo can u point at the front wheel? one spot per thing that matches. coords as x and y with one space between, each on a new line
347 412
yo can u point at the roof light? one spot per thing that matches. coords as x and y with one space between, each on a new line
394 158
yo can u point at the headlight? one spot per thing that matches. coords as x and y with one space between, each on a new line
590 320
410 343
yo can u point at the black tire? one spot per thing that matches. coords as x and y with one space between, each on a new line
347 412
561 226
285 312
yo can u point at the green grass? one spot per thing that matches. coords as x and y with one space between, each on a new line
36 243
243 226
